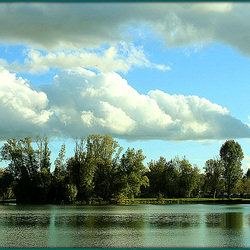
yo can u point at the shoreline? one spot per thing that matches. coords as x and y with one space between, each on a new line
185 201
153 201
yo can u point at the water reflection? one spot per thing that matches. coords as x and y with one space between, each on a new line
27 221
128 226
233 220
175 220
231 225
225 220
99 221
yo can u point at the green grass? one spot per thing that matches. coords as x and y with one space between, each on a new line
182 201
8 201
156 201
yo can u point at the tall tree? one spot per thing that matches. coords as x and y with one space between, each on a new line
171 178
93 168
156 175
189 178
44 165
213 176
231 156
81 171
163 177
60 160
23 166
57 188
103 152
133 172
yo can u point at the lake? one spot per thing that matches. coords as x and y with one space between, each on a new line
108 226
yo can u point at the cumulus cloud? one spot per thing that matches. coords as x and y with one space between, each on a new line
80 102
115 58
23 109
77 25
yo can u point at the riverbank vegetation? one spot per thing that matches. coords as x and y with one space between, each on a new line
100 172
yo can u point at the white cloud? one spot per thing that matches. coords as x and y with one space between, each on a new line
77 25
23 109
112 118
80 102
105 60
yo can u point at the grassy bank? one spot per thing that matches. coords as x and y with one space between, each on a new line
155 201
183 201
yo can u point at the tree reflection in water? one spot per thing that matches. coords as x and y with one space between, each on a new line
125 226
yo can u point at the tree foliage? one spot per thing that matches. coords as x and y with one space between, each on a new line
188 178
24 168
231 156
44 165
6 184
213 172
132 171
99 171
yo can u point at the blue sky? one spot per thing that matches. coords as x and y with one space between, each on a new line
168 78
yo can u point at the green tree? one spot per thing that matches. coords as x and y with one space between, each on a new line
197 179
44 165
213 176
93 168
81 170
188 179
23 166
156 176
103 153
231 156
247 175
6 184
57 187
132 172
60 163
71 192
172 176
244 186
163 178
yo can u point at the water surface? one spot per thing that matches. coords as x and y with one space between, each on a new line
183 225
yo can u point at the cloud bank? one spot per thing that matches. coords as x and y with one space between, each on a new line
51 26
80 102
23 109
104 36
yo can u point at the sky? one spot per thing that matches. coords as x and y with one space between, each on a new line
168 78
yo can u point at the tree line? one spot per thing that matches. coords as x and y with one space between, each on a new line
99 171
